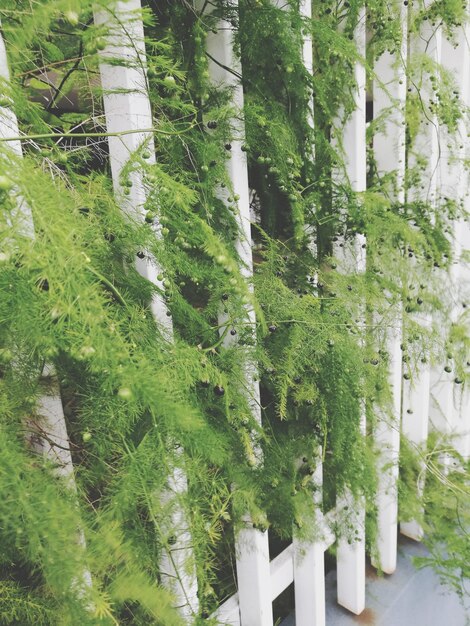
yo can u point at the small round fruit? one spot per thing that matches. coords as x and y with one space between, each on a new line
71 17
169 81
219 391
87 351
5 183
100 43
86 436
125 393
272 328
6 356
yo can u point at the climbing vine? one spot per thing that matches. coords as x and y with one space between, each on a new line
136 405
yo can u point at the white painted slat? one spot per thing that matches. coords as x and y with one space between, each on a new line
308 557
282 571
454 185
389 95
228 613
127 107
309 566
350 559
48 435
252 548
52 428
416 390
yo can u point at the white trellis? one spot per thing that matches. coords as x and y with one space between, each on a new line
47 429
127 107
452 417
389 97
252 548
49 434
350 557
428 397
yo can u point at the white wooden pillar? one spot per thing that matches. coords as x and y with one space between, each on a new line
309 557
48 433
309 565
51 432
455 418
416 389
350 557
252 548
389 97
127 107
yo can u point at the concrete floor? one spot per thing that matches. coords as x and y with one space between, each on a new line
409 597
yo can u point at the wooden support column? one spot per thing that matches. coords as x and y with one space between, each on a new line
350 557
52 430
48 435
309 566
454 183
309 557
389 97
252 548
416 389
127 107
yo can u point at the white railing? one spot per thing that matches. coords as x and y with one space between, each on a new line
436 396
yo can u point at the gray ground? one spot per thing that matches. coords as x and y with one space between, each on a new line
409 597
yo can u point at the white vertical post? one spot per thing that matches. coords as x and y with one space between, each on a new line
454 185
127 107
309 566
252 548
389 149
309 557
51 432
351 556
416 390
49 435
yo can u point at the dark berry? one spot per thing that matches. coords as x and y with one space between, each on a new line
212 124
272 328
225 296
447 369
141 255
458 381
84 210
43 284
228 146
218 390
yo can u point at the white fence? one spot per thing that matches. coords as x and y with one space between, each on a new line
432 399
